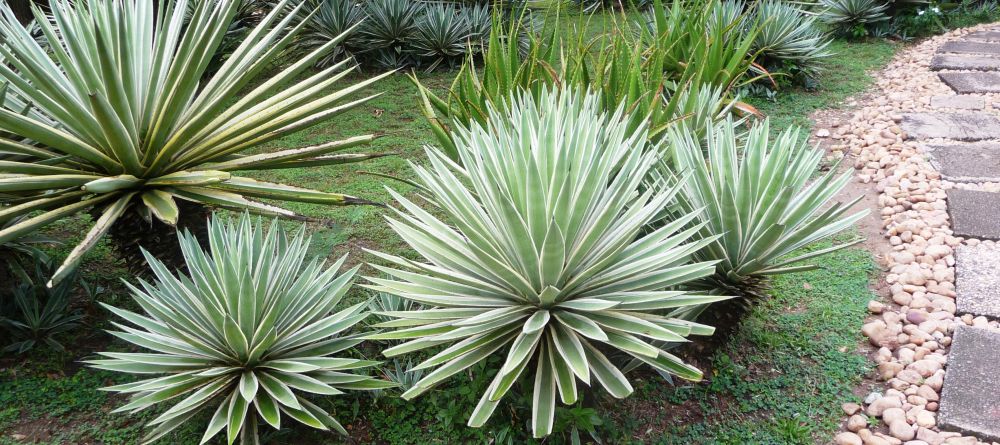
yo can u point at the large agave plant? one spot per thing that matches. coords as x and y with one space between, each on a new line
250 334
441 34
540 256
850 17
760 200
131 125
789 39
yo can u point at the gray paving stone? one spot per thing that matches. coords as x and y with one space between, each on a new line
974 213
966 83
977 283
959 62
970 401
969 47
959 102
958 126
977 162
990 36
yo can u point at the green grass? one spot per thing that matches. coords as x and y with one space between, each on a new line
847 73
782 376
779 380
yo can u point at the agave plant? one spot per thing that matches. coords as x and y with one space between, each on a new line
759 197
480 20
248 15
849 17
250 334
132 130
540 256
332 19
789 39
390 24
441 34
37 314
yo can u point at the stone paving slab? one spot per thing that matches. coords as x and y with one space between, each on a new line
969 47
958 62
974 213
959 102
967 83
970 400
958 126
977 283
978 162
991 36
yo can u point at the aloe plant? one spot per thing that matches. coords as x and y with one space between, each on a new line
130 127
635 67
251 333
540 255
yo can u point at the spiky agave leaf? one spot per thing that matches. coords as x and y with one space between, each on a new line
760 199
539 255
131 123
845 15
252 331
441 34
332 19
789 36
390 24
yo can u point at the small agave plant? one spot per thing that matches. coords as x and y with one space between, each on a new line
250 333
541 255
761 202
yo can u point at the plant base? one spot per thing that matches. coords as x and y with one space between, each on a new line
133 232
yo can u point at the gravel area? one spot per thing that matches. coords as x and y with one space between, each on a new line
911 330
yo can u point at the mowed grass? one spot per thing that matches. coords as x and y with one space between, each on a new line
780 379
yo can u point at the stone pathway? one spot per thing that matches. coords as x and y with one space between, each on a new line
970 399
930 143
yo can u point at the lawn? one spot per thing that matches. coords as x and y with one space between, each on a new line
779 379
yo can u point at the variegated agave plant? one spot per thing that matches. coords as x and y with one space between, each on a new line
760 199
250 333
130 124
541 255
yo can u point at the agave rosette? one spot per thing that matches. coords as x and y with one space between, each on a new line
541 255
130 122
251 332
760 198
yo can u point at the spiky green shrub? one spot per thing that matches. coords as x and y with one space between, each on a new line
390 24
32 313
332 18
442 34
540 255
853 17
480 19
790 40
760 198
133 126
250 333
626 71
697 33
